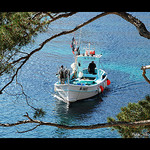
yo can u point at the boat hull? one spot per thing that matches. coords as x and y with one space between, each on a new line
72 93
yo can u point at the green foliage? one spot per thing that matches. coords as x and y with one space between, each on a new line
39 113
16 30
134 112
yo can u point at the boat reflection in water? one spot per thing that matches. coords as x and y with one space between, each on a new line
78 111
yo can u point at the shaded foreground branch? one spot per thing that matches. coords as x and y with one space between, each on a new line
95 126
136 22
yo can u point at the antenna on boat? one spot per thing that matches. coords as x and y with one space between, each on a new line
80 36
89 45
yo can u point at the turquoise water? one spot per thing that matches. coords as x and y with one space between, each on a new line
124 52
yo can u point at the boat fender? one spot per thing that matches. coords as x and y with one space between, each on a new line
102 89
108 82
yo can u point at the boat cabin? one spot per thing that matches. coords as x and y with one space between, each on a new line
83 62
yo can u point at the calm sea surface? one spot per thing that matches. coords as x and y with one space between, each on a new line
124 52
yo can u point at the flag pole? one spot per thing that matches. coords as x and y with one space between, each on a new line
80 36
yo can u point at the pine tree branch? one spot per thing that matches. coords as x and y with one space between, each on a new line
88 127
136 22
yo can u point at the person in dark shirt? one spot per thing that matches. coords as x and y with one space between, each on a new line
91 67
61 73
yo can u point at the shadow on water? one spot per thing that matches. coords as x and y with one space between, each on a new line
78 108
75 114
85 106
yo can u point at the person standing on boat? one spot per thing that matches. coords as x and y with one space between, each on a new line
91 68
61 75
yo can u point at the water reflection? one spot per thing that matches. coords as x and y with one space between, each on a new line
75 114
78 108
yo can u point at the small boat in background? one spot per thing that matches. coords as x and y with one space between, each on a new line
86 80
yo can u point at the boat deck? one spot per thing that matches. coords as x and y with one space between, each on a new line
88 79
83 82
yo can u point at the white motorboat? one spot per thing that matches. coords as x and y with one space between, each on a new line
81 83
